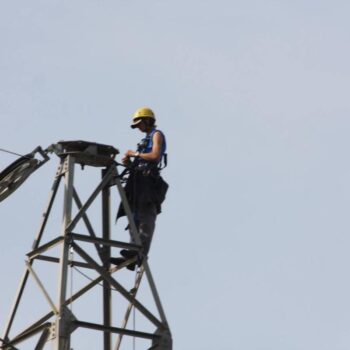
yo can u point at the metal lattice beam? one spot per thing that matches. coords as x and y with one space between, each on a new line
59 322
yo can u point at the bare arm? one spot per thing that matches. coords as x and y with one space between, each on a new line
154 155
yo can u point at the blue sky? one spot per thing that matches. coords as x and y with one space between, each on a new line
251 250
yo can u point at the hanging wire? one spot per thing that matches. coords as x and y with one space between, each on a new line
71 259
138 272
134 325
90 279
10 152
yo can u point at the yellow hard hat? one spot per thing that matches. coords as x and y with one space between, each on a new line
143 112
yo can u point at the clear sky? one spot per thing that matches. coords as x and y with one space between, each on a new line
251 251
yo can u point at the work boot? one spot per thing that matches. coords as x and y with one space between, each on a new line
117 261
131 267
128 254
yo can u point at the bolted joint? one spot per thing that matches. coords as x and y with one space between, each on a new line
64 325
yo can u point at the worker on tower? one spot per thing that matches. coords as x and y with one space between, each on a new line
145 188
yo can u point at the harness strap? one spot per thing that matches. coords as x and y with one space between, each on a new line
163 160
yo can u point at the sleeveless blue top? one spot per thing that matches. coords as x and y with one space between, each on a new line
148 142
145 146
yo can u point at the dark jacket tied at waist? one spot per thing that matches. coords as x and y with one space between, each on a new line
142 190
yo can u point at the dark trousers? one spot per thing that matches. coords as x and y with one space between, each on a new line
145 220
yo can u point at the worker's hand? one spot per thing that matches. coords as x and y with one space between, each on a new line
126 160
130 153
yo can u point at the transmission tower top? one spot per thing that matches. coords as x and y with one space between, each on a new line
92 251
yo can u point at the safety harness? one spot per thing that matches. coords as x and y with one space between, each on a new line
145 146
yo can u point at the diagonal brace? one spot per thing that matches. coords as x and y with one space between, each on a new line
117 286
93 196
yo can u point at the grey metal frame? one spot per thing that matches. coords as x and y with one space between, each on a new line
59 323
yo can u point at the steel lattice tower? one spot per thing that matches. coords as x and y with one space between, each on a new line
58 324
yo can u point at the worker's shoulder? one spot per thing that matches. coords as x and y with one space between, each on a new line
158 133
